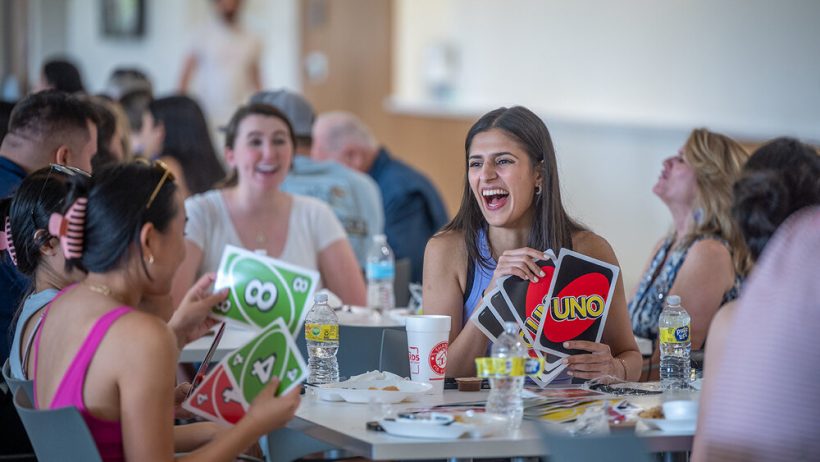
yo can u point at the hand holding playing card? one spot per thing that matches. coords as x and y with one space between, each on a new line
191 319
595 364
519 262
269 412
180 393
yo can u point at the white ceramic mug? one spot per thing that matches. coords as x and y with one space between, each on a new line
427 341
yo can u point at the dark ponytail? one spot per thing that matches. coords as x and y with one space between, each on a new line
41 194
780 178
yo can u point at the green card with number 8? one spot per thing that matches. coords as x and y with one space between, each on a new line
263 289
272 353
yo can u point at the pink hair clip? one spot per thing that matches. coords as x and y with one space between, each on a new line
70 228
6 241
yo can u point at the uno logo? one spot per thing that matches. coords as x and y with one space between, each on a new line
576 308
438 358
571 308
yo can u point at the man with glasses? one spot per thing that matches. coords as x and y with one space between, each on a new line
45 128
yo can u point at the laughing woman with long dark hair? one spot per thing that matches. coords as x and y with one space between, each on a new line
511 211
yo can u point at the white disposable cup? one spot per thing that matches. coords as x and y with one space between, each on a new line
427 341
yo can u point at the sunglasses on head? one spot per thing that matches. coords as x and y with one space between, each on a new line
69 170
166 176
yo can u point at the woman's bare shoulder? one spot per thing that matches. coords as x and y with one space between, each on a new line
138 325
593 245
448 244
446 253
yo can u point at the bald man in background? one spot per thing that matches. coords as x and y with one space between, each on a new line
413 209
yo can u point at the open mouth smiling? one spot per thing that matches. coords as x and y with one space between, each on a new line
266 169
494 198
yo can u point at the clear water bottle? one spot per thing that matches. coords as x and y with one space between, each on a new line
675 345
322 336
381 271
505 392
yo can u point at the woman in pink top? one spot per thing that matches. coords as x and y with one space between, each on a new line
114 363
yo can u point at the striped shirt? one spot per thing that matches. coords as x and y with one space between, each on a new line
763 395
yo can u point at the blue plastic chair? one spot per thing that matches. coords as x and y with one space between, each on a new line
56 434
15 384
616 447
393 352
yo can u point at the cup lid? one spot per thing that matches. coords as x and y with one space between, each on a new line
428 323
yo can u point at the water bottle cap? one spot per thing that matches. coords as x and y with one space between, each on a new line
511 327
380 237
320 298
673 300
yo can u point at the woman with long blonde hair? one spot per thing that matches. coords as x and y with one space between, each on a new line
703 259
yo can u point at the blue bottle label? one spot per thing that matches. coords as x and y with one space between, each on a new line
381 271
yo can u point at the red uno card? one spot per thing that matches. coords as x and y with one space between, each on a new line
577 304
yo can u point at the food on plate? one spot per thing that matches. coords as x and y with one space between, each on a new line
655 412
469 383
387 388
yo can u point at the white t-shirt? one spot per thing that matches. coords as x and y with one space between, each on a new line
225 58
312 227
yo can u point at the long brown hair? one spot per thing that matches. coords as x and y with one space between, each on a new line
717 161
552 228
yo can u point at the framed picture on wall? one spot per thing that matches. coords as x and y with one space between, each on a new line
123 18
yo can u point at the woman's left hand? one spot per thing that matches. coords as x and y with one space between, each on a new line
596 364
180 393
190 320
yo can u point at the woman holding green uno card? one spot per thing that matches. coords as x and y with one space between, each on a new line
251 212
116 363
511 212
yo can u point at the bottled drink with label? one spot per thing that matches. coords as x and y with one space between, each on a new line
505 385
381 271
322 336
675 345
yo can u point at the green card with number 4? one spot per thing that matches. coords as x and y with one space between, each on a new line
272 353
226 392
263 289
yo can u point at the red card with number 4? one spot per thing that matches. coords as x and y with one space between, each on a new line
217 398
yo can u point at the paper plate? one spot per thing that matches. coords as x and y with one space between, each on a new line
474 426
372 391
672 426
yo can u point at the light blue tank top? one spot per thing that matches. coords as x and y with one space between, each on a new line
480 277
478 280
32 304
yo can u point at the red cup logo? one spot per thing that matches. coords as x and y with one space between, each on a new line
438 358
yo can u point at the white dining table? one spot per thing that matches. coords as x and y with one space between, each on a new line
343 425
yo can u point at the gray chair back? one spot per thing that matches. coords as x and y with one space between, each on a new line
14 384
393 352
358 349
56 434
621 446
401 282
